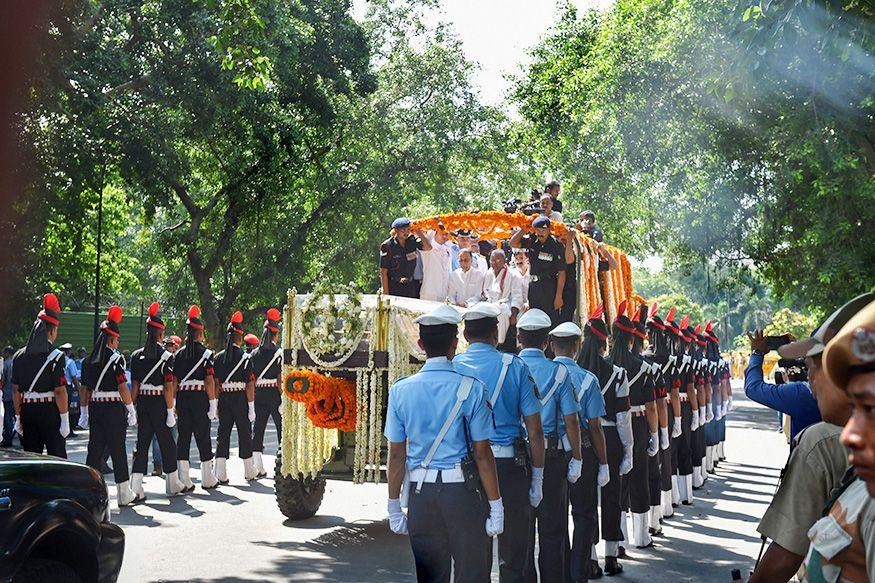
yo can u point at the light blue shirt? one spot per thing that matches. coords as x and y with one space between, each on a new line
70 370
420 404
518 397
544 372
587 391
454 258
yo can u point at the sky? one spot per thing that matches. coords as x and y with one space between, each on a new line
497 34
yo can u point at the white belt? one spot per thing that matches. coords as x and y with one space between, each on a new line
233 386
502 451
266 384
147 389
101 396
684 397
606 423
452 476
31 397
637 408
192 386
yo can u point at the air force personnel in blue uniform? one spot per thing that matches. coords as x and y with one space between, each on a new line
562 436
514 398
438 424
565 343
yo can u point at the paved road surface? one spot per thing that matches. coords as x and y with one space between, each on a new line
236 534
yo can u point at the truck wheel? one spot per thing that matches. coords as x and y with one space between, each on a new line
299 498
42 570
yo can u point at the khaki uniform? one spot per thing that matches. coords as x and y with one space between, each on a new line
843 542
816 467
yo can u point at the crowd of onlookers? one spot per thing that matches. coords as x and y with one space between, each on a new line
821 522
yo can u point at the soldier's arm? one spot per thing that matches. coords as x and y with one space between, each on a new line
486 468
135 389
16 400
777 564
675 398
560 285
397 467
572 426
384 280
516 239
61 398
662 412
535 430
652 416
597 436
210 386
426 241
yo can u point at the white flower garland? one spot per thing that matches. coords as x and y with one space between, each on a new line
318 324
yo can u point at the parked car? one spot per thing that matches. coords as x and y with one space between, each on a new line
54 522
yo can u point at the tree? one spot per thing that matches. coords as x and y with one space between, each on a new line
786 321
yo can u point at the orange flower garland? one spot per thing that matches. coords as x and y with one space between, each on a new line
330 401
487 224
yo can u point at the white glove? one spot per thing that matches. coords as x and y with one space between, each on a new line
626 464
495 522
397 518
604 475
694 424
18 428
536 489
171 418
252 411
725 407
653 445
678 428
83 416
729 405
709 414
214 410
719 414
574 468
132 414
663 438
65 424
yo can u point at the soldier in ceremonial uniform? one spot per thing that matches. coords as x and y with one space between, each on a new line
398 260
196 402
236 401
843 541
40 386
703 398
438 425
251 342
111 408
668 409
677 390
562 433
636 486
267 362
152 391
512 395
617 427
689 413
546 266
565 342
712 388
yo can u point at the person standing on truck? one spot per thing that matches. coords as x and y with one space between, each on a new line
547 267
42 420
438 424
398 255
512 395
267 362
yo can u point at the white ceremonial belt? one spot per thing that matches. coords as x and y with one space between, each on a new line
606 423
502 451
234 386
684 397
192 386
266 384
101 396
452 476
637 408
32 397
147 389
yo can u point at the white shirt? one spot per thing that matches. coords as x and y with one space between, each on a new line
436 272
505 287
466 286
525 280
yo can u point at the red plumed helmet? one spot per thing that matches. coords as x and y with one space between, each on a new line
600 309
698 329
710 326
154 308
273 314
194 312
50 302
115 314
637 315
685 322
621 309
654 309
670 316
237 317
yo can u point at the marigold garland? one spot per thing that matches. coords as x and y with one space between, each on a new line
487 224
330 401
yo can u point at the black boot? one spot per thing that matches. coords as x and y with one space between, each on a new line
621 552
157 469
612 566
595 571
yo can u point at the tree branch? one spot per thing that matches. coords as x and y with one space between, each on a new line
128 86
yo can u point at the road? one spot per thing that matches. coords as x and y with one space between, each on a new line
236 534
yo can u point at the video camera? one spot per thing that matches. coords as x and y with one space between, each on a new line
515 205
795 369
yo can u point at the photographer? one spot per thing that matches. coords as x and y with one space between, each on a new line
816 465
793 399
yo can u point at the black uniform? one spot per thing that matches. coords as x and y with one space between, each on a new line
616 401
266 365
108 417
636 496
193 363
684 441
664 382
152 407
40 418
400 261
233 373
546 260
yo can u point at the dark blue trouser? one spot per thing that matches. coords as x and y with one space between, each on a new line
447 526
515 543
552 522
8 421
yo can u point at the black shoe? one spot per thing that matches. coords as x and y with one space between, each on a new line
621 552
612 567
189 489
157 469
6 444
595 571
685 503
647 546
262 475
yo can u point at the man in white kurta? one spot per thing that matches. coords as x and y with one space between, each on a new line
436 267
466 283
503 286
521 263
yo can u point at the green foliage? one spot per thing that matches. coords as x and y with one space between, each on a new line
786 321
683 306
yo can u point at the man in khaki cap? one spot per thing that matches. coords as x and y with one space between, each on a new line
843 541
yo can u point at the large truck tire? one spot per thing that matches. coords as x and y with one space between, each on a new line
300 498
43 571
